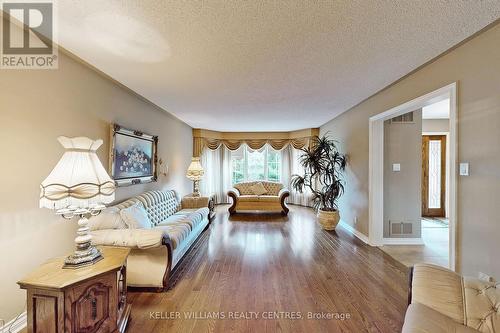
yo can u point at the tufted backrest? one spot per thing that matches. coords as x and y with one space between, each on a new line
159 205
482 305
468 301
272 188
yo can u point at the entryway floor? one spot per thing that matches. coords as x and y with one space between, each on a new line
435 235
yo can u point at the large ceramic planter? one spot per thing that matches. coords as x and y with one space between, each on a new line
328 219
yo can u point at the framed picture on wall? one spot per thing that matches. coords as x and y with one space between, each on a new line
133 156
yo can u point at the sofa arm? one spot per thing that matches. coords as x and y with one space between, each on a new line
233 194
439 289
284 192
131 238
420 318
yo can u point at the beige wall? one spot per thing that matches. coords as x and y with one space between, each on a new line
35 108
475 65
403 189
435 125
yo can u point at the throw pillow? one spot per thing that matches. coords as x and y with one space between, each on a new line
135 217
109 218
258 189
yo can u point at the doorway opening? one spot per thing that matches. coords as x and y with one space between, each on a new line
435 181
429 229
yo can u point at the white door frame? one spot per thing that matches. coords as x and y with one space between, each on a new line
376 167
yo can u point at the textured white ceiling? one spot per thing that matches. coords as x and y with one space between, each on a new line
264 65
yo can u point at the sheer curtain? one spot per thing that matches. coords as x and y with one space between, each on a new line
217 179
290 166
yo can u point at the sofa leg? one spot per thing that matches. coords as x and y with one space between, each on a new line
410 284
147 289
206 227
168 243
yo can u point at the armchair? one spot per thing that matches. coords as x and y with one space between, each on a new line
442 301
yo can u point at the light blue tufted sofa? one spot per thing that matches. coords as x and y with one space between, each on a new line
156 251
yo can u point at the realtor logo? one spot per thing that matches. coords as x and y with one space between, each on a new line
28 36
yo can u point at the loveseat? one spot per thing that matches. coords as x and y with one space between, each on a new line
442 301
158 248
271 197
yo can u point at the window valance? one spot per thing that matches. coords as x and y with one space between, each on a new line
255 140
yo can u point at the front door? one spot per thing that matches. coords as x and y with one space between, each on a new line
433 175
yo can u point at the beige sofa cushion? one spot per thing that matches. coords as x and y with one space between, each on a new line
133 238
135 217
269 198
257 198
439 289
180 225
422 319
108 219
193 217
258 189
173 219
177 232
248 198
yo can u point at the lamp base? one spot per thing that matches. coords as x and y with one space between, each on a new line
196 188
83 258
85 253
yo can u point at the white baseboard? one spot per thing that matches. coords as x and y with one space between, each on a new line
362 237
16 324
402 241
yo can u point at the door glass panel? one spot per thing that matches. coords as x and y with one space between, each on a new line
434 174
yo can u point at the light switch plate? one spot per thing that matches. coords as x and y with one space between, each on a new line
464 169
396 167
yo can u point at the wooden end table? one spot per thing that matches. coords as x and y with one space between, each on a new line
87 299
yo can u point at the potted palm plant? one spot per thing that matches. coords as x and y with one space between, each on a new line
323 166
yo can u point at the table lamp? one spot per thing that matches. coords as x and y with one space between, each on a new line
195 173
78 186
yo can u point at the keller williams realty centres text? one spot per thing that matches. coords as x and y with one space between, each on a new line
248 315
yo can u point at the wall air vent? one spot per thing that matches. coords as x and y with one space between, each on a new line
400 228
406 118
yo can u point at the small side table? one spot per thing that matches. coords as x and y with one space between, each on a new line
190 201
88 299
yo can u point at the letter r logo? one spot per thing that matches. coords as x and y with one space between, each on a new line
37 21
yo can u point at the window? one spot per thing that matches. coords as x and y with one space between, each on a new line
248 165
273 165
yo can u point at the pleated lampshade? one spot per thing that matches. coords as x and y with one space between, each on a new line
195 170
78 179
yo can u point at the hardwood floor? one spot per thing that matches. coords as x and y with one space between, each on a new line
269 266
